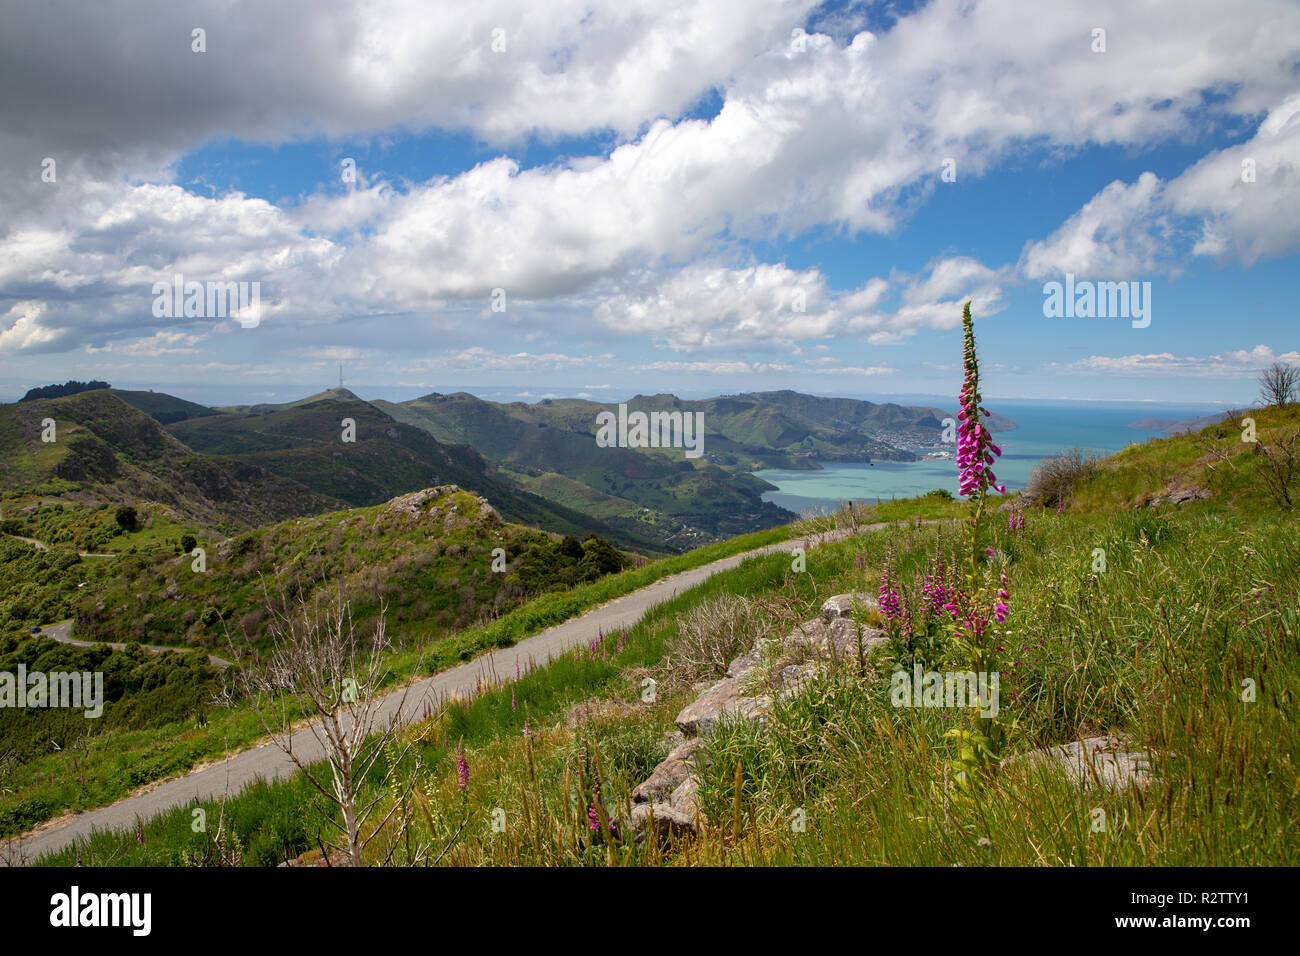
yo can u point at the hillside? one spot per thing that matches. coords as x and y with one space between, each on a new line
161 407
107 452
425 557
1139 663
549 447
304 441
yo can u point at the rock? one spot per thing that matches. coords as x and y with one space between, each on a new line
670 774
841 605
668 822
745 663
672 738
724 699
686 798
794 677
1178 496
810 633
1093 762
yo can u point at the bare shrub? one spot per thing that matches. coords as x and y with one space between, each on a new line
1054 479
1279 467
324 668
712 634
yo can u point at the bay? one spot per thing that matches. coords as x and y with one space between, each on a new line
1043 430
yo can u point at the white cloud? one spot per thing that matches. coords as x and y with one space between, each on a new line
1240 362
650 239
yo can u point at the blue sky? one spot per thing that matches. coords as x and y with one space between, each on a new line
689 196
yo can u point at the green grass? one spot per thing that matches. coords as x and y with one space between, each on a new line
1156 647
1193 605
110 766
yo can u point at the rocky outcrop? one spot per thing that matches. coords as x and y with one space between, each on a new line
1177 496
670 795
670 774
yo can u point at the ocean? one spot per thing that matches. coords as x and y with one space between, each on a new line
1042 430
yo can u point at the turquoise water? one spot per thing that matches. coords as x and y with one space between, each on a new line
1043 430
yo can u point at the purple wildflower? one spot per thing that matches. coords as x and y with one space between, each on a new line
976 451
462 770
1001 609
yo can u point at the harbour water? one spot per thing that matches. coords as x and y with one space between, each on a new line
1042 430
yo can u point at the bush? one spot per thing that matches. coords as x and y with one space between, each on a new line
710 635
1054 479
126 518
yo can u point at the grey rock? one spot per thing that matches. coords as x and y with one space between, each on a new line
669 823
810 633
841 605
751 709
1093 763
670 773
726 698
686 798
745 663
794 677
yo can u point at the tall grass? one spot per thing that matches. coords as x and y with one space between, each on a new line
1155 648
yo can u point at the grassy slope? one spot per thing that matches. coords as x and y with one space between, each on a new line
558 437
109 452
108 767
387 458
1193 602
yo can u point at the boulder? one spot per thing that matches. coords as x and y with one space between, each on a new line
670 774
726 698
686 798
669 823
841 605
746 662
1093 763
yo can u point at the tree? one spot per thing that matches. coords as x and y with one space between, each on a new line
126 518
188 543
1278 384
321 669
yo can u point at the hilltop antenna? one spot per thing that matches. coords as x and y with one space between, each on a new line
340 375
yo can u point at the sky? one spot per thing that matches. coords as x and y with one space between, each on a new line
562 198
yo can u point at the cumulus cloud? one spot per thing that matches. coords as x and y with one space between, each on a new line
845 133
1239 203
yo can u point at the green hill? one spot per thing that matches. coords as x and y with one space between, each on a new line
107 452
425 557
163 408
304 441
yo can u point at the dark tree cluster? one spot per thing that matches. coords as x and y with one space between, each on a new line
58 391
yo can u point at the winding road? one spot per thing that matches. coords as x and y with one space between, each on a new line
62 632
268 762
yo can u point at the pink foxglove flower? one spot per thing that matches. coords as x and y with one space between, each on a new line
976 451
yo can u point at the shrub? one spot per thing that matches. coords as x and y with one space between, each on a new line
1054 479
126 517
710 635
